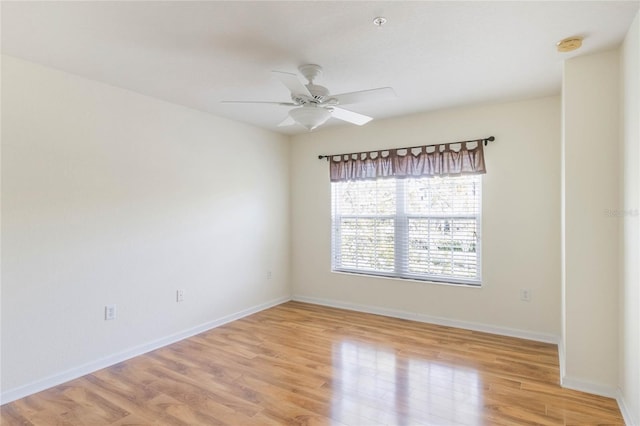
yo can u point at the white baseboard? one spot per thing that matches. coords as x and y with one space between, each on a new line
589 387
626 413
602 390
596 389
503 331
55 379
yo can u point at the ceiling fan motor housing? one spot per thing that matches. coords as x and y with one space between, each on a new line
319 93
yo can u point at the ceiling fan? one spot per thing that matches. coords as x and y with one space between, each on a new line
314 104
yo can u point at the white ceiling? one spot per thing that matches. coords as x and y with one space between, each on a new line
434 54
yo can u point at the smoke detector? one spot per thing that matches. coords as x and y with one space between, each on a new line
569 44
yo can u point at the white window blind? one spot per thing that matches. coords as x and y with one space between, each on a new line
418 228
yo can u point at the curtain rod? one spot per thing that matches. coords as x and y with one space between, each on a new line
485 140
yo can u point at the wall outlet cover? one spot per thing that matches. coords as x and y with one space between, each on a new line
110 312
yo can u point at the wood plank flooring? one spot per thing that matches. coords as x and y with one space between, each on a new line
302 364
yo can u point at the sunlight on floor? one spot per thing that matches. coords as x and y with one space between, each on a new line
374 382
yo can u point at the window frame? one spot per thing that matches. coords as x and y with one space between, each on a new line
401 236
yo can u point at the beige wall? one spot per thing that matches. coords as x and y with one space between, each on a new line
590 238
629 374
521 225
112 197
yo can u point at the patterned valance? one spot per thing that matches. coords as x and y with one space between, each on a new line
451 159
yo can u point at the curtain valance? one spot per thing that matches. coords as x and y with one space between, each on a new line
428 160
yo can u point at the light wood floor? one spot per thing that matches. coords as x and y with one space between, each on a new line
301 364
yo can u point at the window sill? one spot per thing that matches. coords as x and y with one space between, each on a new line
385 277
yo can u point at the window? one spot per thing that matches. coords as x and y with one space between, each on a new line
425 228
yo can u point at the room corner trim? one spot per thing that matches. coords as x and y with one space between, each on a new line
55 379
624 409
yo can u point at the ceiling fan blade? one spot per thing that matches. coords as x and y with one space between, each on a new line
350 116
259 102
287 122
292 82
371 95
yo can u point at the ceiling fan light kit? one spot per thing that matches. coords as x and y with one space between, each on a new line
315 104
310 116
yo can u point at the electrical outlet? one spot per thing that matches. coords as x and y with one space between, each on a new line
180 295
268 275
110 312
525 295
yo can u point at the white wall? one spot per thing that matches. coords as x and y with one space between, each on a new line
630 273
113 197
590 237
521 225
